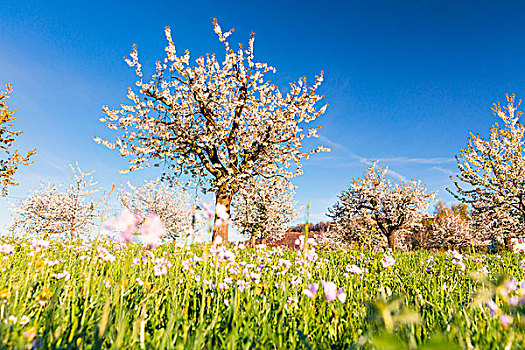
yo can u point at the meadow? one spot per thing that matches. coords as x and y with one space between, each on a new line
108 294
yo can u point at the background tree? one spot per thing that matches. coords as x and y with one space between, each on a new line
321 226
264 208
223 122
497 226
49 211
12 159
452 228
388 205
355 231
492 171
170 203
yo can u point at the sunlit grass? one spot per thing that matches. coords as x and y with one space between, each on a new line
113 295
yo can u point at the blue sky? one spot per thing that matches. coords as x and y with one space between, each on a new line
406 80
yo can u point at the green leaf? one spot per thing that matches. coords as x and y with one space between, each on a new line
439 341
387 341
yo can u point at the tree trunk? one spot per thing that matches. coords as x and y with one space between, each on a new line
508 243
222 196
391 241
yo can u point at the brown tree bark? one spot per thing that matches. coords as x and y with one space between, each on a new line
391 241
223 196
508 243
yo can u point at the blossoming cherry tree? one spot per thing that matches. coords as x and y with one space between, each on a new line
492 174
218 120
390 206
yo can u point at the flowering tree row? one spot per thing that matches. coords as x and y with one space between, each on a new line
221 121
491 182
76 210
263 210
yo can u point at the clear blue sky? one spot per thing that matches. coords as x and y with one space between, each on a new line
406 80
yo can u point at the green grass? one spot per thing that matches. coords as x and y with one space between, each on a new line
124 305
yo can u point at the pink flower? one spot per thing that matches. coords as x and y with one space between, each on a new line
152 230
37 245
311 241
126 236
330 290
65 275
341 295
354 269
207 210
242 285
160 269
332 293
505 320
388 261
291 300
311 291
7 249
125 222
454 254
256 277
105 255
161 266
300 242
31 333
494 309
227 255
